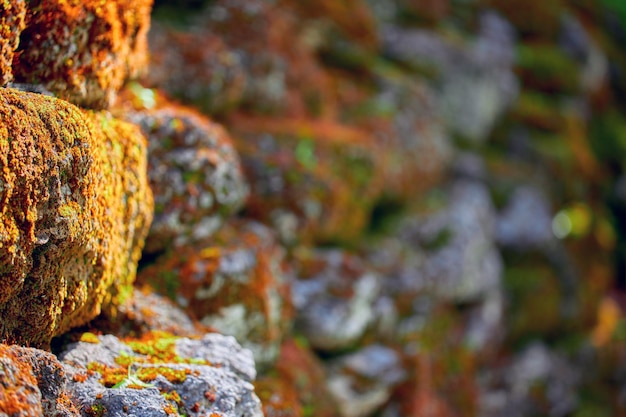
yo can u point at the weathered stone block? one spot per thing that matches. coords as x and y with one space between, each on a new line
12 15
83 51
193 168
75 207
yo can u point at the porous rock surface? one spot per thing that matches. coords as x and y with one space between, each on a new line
194 172
19 393
75 209
461 261
12 15
83 51
198 377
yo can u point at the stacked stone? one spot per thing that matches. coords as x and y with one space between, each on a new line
77 208
339 231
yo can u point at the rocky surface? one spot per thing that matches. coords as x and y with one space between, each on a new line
362 381
193 169
19 393
393 208
76 208
334 296
12 15
160 375
235 283
312 182
460 260
83 52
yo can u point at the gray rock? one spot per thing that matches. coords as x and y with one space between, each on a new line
190 159
335 304
486 325
418 150
577 43
148 311
110 347
220 350
363 381
222 384
51 380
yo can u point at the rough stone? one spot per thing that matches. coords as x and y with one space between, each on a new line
83 51
76 207
233 282
12 15
334 296
537 381
51 380
193 169
146 311
159 375
19 393
414 150
300 368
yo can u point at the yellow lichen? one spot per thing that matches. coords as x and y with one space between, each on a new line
89 337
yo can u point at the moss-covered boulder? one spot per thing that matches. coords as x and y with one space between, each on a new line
75 209
12 15
83 51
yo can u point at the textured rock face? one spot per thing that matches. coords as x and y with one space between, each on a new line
12 15
83 51
525 223
19 393
194 173
303 380
75 209
334 296
50 378
160 375
537 381
233 282
147 311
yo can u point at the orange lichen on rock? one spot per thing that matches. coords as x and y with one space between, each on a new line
75 209
19 394
83 51
12 14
